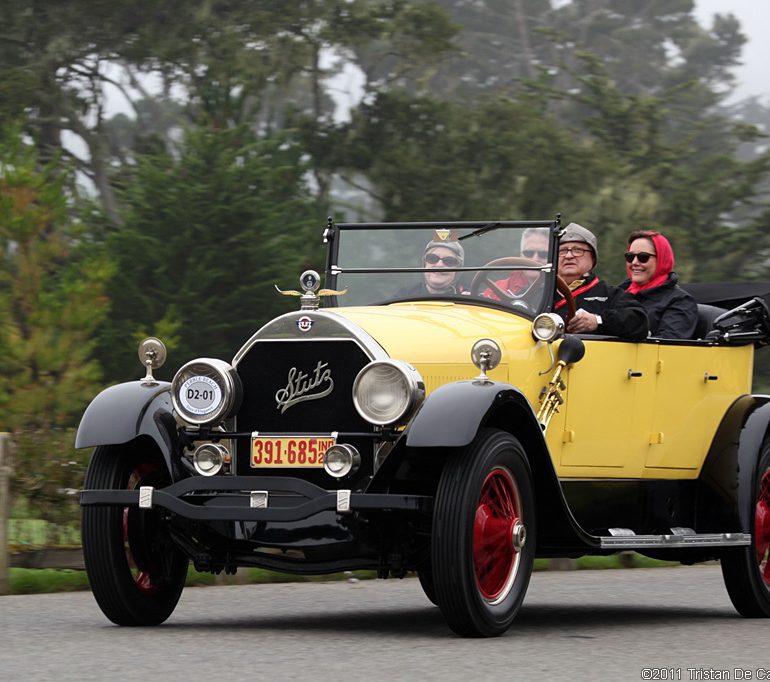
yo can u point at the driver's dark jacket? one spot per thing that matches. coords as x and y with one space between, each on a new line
622 315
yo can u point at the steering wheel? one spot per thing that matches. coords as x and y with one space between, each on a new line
485 278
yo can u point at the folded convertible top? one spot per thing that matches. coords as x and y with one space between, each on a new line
727 294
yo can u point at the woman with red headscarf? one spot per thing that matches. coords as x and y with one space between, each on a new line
673 312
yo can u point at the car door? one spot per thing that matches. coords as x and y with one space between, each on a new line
695 384
599 411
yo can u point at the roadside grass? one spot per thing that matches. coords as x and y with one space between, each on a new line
623 560
42 580
46 580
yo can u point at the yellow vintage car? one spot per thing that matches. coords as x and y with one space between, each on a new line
426 412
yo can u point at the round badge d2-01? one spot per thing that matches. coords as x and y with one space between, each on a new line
200 395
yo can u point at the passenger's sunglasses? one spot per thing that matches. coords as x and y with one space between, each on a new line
642 257
531 253
449 261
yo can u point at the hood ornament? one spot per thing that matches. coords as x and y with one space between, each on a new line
310 299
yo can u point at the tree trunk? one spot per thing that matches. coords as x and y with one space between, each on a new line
525 48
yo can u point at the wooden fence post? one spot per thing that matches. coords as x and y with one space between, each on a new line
5 508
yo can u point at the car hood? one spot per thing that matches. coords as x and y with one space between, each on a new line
439 332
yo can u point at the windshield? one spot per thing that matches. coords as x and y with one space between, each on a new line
498 263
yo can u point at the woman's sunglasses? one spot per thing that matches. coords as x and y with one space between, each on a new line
449 261
641 256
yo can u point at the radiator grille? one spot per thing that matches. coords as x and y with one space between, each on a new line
283 386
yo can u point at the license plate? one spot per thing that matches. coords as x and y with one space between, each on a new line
289 451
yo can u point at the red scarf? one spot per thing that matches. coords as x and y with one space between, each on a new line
577 291
664 263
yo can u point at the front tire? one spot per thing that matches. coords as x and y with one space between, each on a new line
483 542
136 572
746 570
425 576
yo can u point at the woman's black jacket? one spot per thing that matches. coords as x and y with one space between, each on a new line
673 313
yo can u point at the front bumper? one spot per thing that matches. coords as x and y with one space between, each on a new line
252 498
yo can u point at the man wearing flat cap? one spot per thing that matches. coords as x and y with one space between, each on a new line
601 307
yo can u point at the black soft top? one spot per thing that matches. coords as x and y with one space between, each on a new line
727 294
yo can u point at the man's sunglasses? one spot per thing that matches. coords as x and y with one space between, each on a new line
449 261
531 253
641 256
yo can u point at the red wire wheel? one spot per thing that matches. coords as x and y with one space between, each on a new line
136 525
135 569
746 570
495 551
482 543
762 528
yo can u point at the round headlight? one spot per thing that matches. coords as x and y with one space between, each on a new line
387 391
547 327
206 391
209 458
341 460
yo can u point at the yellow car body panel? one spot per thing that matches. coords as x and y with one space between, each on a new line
646 410
437 337
631 410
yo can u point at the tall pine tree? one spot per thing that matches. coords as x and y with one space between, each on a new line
51 302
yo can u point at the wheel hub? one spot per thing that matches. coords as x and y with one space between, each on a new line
518 536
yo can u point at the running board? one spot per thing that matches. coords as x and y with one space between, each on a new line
625 538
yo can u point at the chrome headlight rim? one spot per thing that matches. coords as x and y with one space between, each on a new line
223 381
218 456
547 327
350 459
412 383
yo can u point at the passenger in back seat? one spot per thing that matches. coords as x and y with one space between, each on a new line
672 312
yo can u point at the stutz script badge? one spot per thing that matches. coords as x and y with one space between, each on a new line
303 386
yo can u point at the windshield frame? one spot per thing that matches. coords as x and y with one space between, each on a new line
333 234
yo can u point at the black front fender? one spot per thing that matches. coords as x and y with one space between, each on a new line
451 417
122 412
452 414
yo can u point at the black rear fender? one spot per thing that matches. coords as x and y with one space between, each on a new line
726 484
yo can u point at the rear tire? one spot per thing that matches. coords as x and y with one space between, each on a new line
136 572
483 542
746 570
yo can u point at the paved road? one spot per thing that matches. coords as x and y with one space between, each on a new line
576 625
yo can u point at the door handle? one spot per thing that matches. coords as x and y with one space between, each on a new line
632 374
